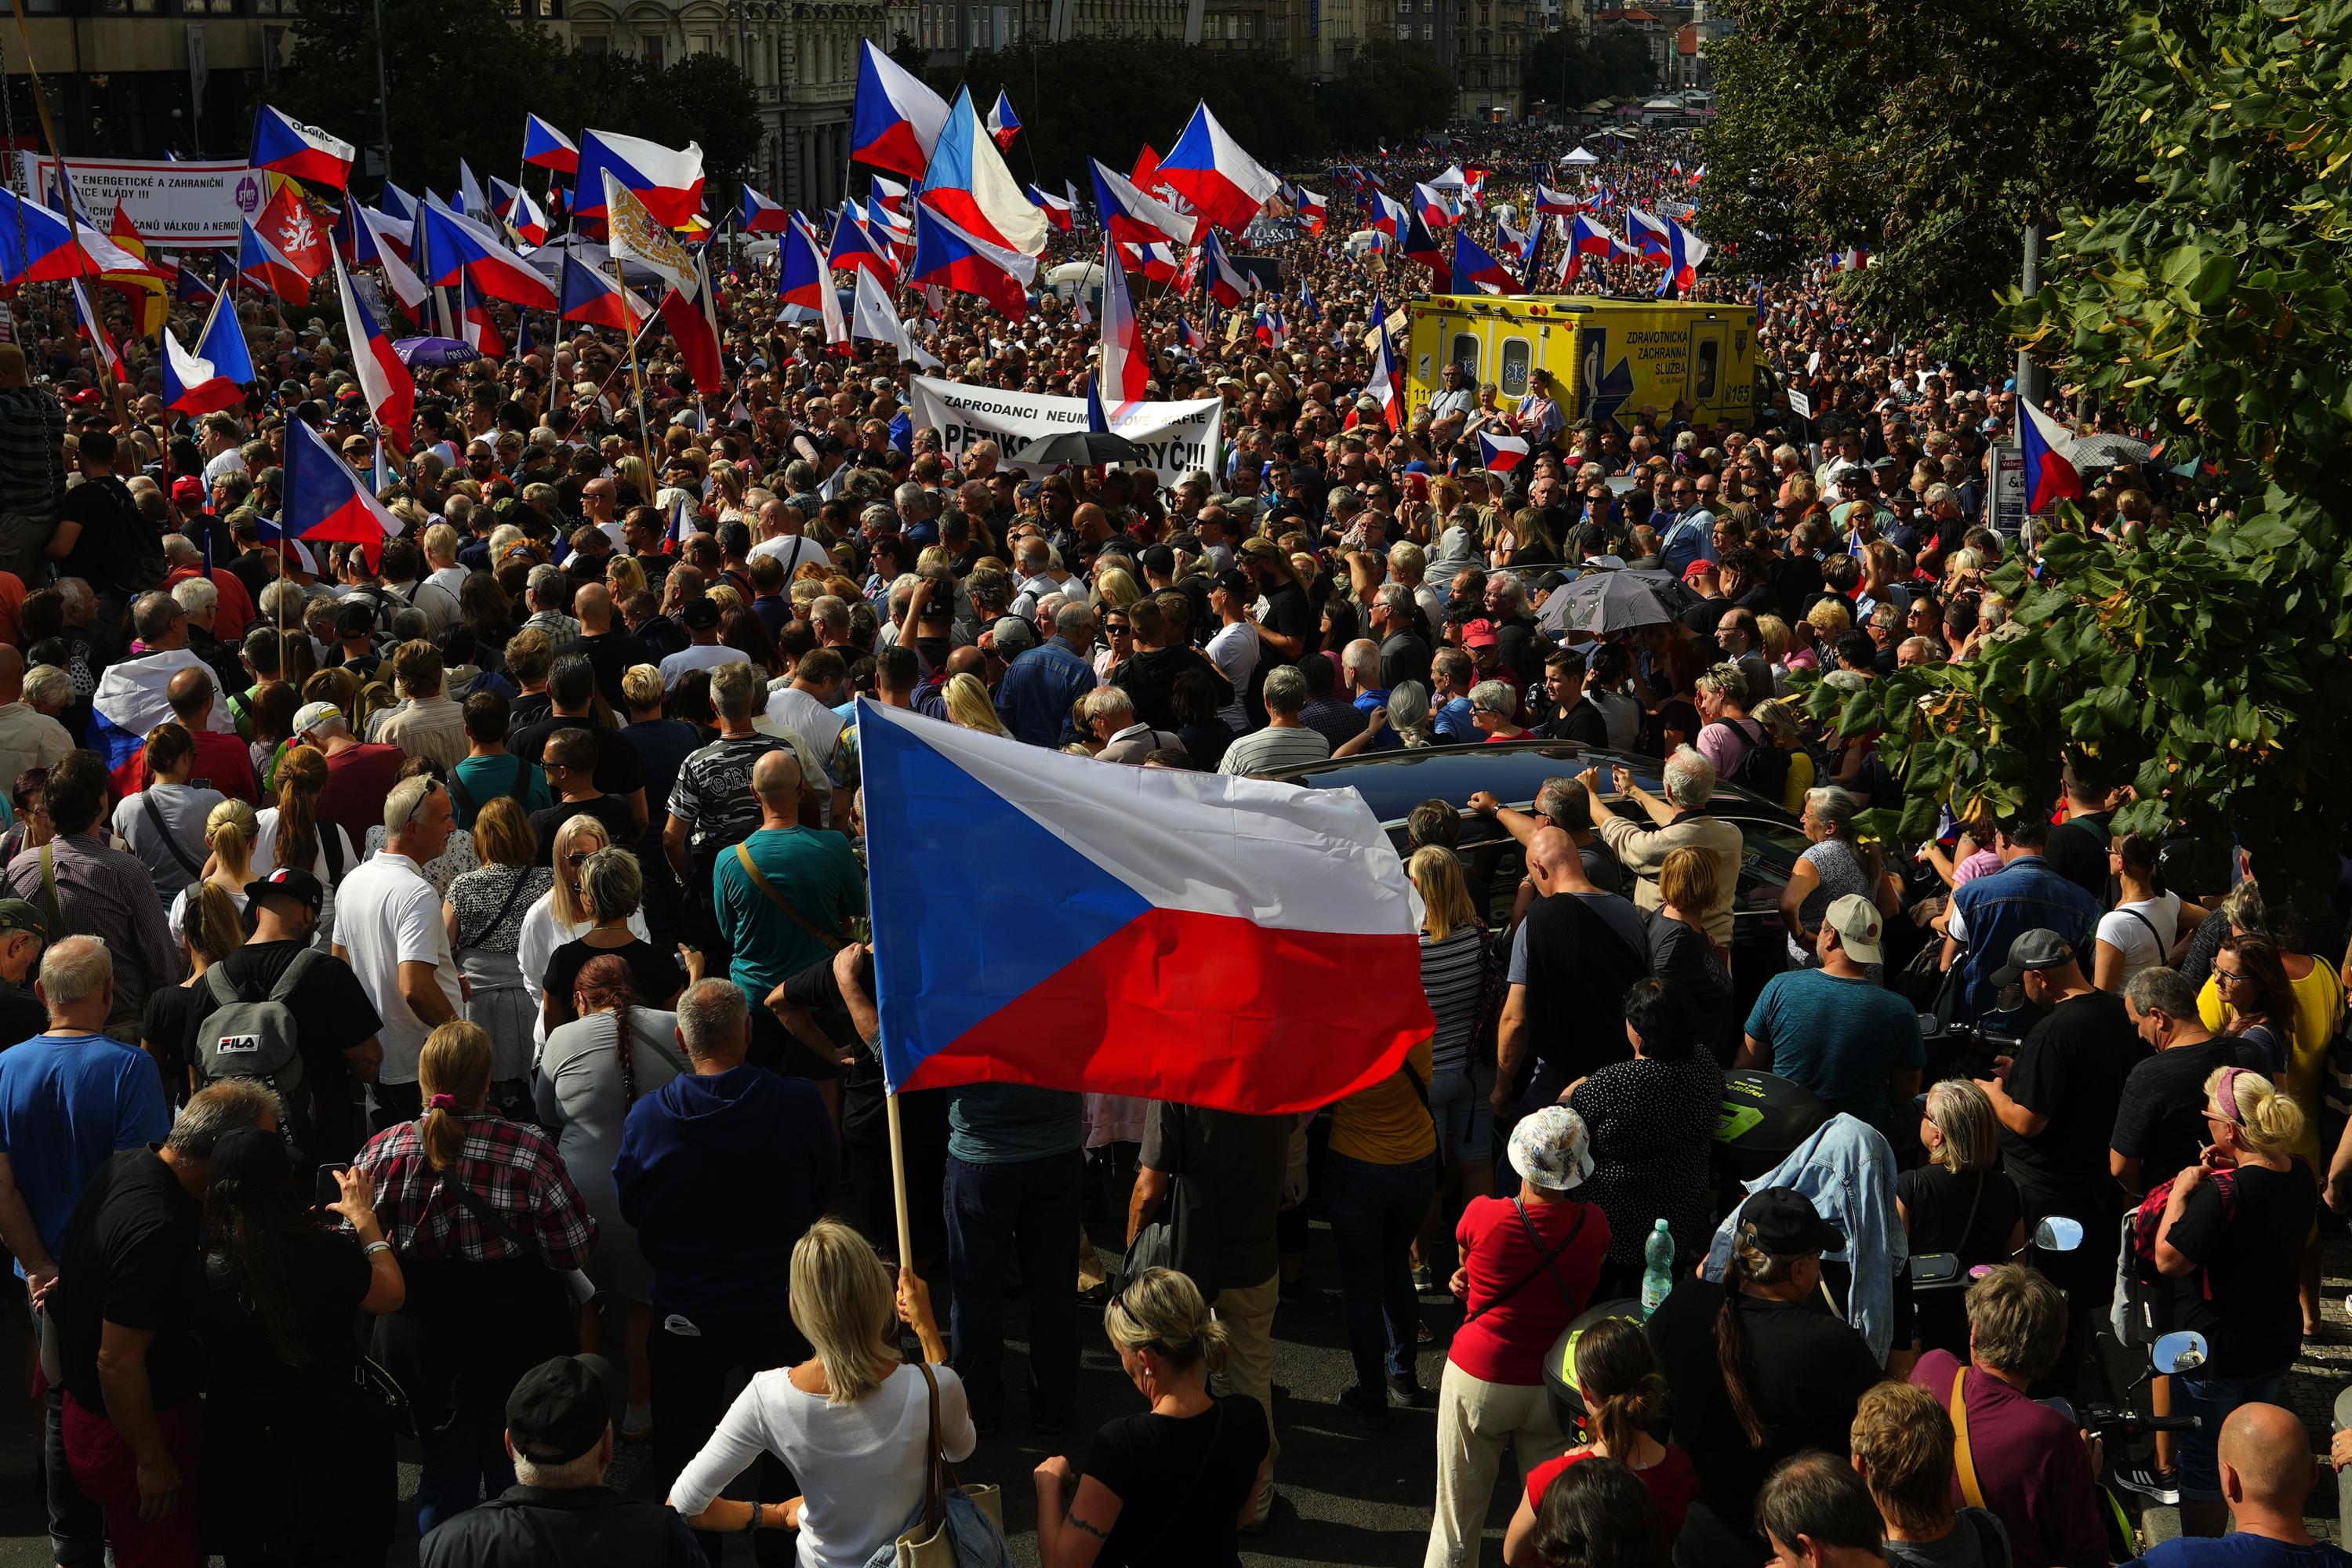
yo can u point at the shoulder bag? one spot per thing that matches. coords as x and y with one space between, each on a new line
832 944
931 1541
162 831
1550 1260
1183 1234
522 880
1964 1463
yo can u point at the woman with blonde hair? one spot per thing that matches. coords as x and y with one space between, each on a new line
970 705
1783 734
1175 1483
486 1271
483 915
612 887
2235 1259
209 928
229 834
852 1424
625 577
1960 1202
561 912
1456 966
292 833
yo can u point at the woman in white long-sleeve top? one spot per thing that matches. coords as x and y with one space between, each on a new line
852 1423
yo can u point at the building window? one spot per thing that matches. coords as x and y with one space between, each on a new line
595 43
650 50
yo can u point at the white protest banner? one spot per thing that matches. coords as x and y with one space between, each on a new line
1800 404
1177 437
178 206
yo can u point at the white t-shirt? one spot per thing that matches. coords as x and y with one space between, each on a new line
265 862
542 934
231 461
2126 929
1234 651
686 660
817 726
860 1467
794 549
390 915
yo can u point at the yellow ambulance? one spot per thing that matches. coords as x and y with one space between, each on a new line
1606 358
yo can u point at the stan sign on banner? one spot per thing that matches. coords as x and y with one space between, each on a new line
1177 437
177 205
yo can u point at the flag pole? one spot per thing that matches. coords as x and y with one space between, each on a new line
899 1182
636 377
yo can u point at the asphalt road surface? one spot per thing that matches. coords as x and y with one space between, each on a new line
1350 1497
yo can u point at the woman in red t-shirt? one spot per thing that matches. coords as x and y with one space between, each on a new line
1624 1402
1528 1264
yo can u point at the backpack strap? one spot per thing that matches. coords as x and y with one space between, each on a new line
162 830
458 793
304 960
330 845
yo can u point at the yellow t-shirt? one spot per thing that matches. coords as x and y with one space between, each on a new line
1388 1123
2318 1009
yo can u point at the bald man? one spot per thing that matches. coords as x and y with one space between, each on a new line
28 738
931 698
223 762
1572 958
784 899
611 648
2266 1471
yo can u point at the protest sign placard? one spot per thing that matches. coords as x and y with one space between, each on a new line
1177 437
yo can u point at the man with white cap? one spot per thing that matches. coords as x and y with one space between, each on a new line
1836 1029
360 773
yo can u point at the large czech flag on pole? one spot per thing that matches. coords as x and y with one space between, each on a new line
287 146
1257 950
2049 474
669 182
327 499
896 120
966 180
1215 176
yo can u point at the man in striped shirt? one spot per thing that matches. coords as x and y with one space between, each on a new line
32 466
1285 739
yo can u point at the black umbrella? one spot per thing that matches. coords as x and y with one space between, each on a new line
1602 602
1084 448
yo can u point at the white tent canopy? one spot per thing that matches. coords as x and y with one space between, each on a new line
1452 179
1581 156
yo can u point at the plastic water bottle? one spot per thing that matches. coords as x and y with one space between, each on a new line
1657 1268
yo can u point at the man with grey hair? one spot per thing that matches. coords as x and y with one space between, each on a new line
1285 740
1109 715
917 508
125 1319
388 928
1682 822
2159 1127
30 738
544 590
70 1098
687 1150
1039 686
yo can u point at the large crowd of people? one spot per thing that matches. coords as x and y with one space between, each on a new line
436 985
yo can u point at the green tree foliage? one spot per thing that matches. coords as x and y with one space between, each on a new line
1108 97
1927 135
2206 668
1605 62
434 48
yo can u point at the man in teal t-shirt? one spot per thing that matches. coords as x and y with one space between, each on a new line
813 885
1833 1029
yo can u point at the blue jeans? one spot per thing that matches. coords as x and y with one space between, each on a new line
463 1463
1027 1209
2212 1399
1375 1210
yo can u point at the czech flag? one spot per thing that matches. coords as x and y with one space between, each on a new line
287 146
545 147
354 240
1056 210
1259 956
669 182
193 290
1131 214
1312 210
888 194
1685 251
523 216
1853 260
262 265
213 377
101 346
385 381
1125 366
967 181
854 249
687 315
1501 453
1422 246
875 319
2050 473
762 215
37 246
470 199
393 248
1146 173
1586 237
1157 261
1390 216
325 497
1556 204
1228 284
461 247
1647 235
134 696
1430 204
896 120
1215 176
477 324
949 257
1003 123
590 297
805 278
1186 337
397 204
1384 383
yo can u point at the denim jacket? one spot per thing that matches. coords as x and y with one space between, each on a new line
2000 906
1847 1168
1039 686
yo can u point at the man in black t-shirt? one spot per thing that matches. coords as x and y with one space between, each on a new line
1286 631
570 688
2160 1121
334 1023
570 759
2078 846
133 1425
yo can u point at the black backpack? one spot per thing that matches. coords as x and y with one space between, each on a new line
1763 767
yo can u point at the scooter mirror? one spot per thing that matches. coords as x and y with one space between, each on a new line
2178 1352
2058 1234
